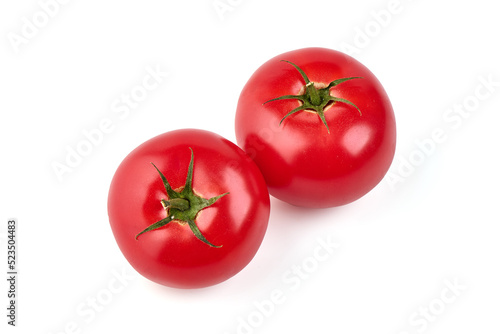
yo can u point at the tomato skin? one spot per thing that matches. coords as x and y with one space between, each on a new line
301 162
172 255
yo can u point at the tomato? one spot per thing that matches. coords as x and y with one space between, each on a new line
188 208
319 125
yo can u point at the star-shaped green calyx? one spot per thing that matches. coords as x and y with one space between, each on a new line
313 98
183 206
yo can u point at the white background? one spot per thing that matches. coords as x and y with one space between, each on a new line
423 229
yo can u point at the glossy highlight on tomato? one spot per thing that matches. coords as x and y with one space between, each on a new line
319 125
188 208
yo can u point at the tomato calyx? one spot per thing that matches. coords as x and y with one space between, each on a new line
313 98
183 206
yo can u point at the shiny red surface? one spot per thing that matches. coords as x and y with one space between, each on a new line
172 255
301 162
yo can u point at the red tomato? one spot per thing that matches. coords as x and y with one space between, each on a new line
193 219
331 149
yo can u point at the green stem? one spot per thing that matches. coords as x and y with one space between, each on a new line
313 94
313 98
183 206
176 203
